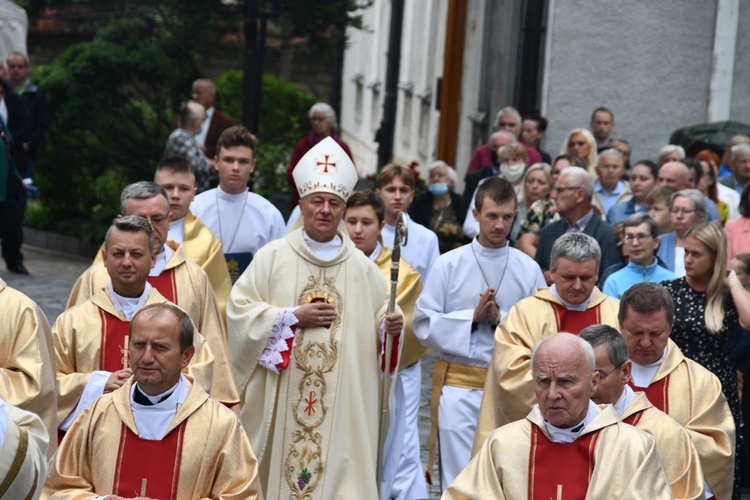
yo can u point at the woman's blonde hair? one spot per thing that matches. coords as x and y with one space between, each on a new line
592 158
712 236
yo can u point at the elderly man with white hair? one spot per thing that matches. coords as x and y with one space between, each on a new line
740 163
216 122
573 194
567 446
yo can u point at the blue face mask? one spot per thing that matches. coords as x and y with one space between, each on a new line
438 189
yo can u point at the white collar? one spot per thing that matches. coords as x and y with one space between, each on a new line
580 307
230 197
325 250
489 253
128 306
161 260
626 399
374 255
560 435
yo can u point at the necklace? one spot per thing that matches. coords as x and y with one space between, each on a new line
317 283
481 270
239 222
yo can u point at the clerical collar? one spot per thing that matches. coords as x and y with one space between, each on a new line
580 224
230 197
161 260
128 306
559 435
626 399
489 253
144 399
580 307
325 250
643 375
177 230
374 255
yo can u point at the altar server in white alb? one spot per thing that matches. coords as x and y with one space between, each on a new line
395 186
242 220
468 293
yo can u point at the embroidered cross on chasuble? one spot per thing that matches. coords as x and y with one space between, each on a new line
166 285
148 468
657 393
575 321
547 479
113 353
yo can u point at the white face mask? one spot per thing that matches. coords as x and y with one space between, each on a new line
513 173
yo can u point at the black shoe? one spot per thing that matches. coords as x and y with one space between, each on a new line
18 269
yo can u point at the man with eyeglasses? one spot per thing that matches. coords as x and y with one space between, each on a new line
175 276
678 386
641 241
573 194
678 455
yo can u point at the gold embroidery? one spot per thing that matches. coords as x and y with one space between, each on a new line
315 356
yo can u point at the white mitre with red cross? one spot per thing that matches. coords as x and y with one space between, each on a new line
326 168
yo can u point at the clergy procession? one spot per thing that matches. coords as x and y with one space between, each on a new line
587 316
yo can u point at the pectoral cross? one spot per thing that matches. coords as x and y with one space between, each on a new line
125 355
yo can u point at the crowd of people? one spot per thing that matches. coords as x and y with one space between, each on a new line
589 315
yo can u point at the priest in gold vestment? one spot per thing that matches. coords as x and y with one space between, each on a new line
159 435
23 453
566 447
678 455
175 276
678 386
570 305
27 366
307 322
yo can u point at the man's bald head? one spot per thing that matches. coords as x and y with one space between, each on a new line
501 138
675 174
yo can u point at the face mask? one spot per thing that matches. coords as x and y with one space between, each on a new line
438 189
512 173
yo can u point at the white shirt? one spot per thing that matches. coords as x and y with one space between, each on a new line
626 399
161 261
643 375
560 435
325 250
421 250
200 137
177 230
679 261
153 421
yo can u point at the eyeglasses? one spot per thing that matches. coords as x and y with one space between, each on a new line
577 143
563 188
602 376
683 211
636 237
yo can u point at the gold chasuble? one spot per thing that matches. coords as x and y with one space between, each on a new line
93 336
314 426
508 391
678 455
608 459
184 283
407 292
202 247
204 453
27 366
692 396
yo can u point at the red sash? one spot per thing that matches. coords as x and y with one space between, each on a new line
166 285
657 393
113 351
548 479
148 468
635 418
575 321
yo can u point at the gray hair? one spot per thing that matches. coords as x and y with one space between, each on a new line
639 218
578 247
210 87
440 163
597 335
588 352
739 149
189 112
670 148
581 178
142 190
131 224
699 201
17 53
326 109
610 152
508 110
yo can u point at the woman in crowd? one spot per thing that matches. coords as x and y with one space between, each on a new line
688 209
738 230
707 185
440 208
709 304
543 211
323 120
182 142
643 178
710 162
581 142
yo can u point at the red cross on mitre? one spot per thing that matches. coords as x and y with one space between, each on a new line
326 164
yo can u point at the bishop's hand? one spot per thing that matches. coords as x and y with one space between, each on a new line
394 323
316 314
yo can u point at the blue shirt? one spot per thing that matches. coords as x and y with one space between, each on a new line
609 199
622 211
618 283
